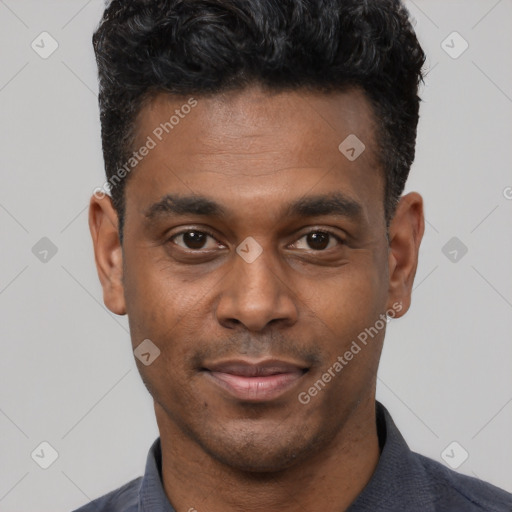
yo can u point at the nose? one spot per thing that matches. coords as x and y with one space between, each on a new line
256 295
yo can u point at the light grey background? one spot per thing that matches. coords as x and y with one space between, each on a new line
68 374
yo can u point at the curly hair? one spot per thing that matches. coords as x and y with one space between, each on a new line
184 47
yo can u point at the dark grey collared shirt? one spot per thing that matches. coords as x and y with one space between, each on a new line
403 481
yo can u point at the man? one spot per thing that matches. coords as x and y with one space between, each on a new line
256 237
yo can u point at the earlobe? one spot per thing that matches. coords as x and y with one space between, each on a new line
108 255
405 235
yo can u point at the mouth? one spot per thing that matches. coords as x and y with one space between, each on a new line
255 381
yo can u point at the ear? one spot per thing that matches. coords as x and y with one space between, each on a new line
108 254
405 235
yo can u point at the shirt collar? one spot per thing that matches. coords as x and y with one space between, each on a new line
152 497
398 474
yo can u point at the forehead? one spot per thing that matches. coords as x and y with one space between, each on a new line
250 146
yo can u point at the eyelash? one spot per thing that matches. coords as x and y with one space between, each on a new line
206 232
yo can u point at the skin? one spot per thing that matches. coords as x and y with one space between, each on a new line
253 152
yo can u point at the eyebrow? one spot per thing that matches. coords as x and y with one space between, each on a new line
337 204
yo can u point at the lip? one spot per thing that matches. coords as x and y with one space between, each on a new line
252 381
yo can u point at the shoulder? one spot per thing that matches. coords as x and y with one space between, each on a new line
125 499
452 490
406 480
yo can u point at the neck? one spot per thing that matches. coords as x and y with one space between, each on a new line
329 480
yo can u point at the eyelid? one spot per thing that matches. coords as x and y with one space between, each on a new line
199 230
320 229
327 231
205 231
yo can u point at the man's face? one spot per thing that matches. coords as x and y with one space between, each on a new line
288 267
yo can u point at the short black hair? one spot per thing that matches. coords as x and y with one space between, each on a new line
203 47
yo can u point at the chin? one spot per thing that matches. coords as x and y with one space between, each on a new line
256 460
261 452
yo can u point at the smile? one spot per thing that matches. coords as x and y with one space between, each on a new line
255 382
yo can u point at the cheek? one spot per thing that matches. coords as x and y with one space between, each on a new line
352 299
348 308
154 296
165 309
161 313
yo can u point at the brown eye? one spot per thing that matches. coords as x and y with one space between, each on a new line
318 241
193 240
